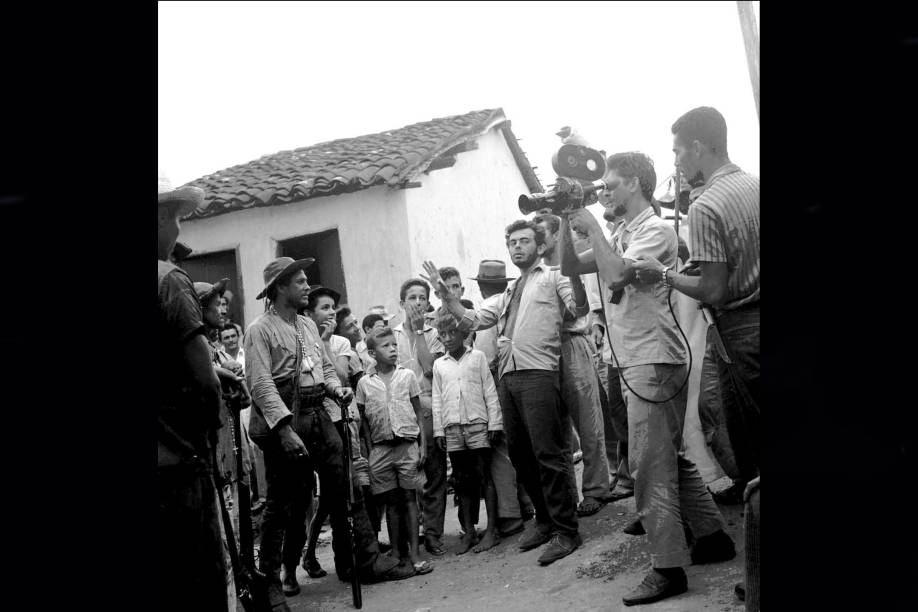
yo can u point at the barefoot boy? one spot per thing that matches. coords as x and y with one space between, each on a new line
387 398
466 421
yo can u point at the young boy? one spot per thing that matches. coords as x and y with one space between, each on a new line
387 398
467 420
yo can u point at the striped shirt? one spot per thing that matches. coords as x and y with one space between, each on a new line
724 226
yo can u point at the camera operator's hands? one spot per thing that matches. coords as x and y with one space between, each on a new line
441 442
433 277
647 269
583 222
291 443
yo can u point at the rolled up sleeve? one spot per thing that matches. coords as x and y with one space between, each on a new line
258 376
571 309
484 317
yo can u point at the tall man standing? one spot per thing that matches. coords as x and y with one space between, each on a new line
580 385
289 375
651 360
192 572
528 316
724 233
418 347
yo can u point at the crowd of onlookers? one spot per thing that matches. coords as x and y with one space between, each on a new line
576 357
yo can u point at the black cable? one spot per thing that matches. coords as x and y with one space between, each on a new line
621 374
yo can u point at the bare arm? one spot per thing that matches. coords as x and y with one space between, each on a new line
613 270
709 287
416 404
571 264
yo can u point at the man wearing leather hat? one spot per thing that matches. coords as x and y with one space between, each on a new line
289 374
192 571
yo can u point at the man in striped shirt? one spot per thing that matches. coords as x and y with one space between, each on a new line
724 230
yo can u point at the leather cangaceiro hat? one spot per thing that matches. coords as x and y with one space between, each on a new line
279 267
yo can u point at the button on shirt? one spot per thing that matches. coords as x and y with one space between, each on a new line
724 228
388 408
408 351
464 392
271 348
641 326
547 299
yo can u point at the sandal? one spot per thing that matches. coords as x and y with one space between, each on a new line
422 567
590 506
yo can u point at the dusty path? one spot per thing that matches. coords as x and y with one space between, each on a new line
595 577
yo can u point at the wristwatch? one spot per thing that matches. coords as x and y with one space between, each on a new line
419 332
663 278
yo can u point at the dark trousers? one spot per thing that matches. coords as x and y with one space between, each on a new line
740 332
615 420
711 411
289 488
471 472
433 495
753 552
538 432
192 573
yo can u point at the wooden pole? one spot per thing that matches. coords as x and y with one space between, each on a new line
751 40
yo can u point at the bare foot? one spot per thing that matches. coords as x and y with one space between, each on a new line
490 540
467 541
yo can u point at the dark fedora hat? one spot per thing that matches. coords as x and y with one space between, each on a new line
280 267
491 271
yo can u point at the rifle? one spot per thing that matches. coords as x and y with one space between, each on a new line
350 502
251 583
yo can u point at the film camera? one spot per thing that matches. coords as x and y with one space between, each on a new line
579 171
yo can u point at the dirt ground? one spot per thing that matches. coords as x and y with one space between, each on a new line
595 577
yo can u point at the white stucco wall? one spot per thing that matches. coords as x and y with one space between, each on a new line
457 218
371 229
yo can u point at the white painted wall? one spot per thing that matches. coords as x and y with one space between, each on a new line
457 218
371 227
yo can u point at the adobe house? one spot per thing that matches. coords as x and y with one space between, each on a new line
369 209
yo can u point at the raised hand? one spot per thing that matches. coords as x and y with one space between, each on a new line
433 277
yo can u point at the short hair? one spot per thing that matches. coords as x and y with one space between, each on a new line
467 304
706 125
448 272
371 319
445 320
413 282
377 335
552 221
228 327
522 224
635 164
341 314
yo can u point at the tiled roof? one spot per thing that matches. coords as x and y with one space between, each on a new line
390 158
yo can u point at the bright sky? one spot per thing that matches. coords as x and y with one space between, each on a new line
239 80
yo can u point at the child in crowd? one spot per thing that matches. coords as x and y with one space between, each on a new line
387 398
466 421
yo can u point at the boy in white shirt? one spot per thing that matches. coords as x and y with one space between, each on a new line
466 421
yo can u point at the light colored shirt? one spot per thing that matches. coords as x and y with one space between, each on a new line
364 353
388 408
486 341
341 347
408 351
724 226
271 348
239 358
547 300
464 393
641 325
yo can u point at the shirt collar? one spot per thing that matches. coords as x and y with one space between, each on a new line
464 355
637 221
717 174
371 371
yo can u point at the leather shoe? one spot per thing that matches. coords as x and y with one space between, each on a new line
713 548
559 547
289 583
656 586
534 538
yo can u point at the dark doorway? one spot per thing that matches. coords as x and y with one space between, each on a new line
325 248
210 268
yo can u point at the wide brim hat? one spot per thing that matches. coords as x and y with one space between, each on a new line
280 267
205 291
186 198
491 271
320 290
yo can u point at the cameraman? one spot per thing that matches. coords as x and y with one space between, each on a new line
651 360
